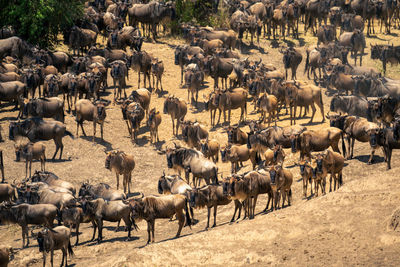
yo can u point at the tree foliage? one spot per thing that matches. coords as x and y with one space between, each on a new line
40 21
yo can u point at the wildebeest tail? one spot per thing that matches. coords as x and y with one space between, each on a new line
69 134
343 145
290 192
70 251
188 219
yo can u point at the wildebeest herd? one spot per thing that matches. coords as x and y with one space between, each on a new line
364 107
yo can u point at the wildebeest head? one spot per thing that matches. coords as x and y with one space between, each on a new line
273 173
374 136
52 85
178 54
198 198
294 140
303 164
204 146
116 69
114 38
225 152
231 131
336 120
164 184
319 159
84 190
396 129
109 157
376 51
277 151
43 239
137 209
171 156
372 110
7 214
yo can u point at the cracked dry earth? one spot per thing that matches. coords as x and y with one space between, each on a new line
352 226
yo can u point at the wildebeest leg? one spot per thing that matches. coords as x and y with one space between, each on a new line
305 185
388 157
94 130
173 126
215 215
283 193
94 230
100 228
117 176
64 256
148 232
51 257
208 217
254 206
181 218
313 112
330 183
83 130
139 79
25 233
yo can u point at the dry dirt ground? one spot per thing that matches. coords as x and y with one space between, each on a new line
342 228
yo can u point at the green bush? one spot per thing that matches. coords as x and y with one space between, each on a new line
40 21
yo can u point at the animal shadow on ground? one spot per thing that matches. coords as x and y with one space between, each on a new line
97 140
158 145
142 141
168 239
115 239
56 160
365 158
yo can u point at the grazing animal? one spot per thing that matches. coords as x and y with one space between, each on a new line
91 111
291 60
13 92
177 109
332 163
274 156
74 216
193 133
8 192
38 129
356 41
153 123
268 104
236 135
352 105
157 69
151 208
52 107
141 62
228 100
143 97
281 182
238 154
55 239
25 214
306 172
119 72
30 151
121 163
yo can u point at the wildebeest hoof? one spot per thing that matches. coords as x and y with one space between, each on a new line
213 225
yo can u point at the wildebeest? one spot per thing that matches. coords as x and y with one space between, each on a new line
127 36
356 41
143 97
30 151
38 129
210 196
141 62
157 69
32 79
8 192
303 95
52 180
326 34
25 214
193 133
121 163
181 53
306 172
9 77
6 255
192 161
112 211
172 184
268 104
238 154
236 135
281 182
386 53
15 47
91 111
100 190
119 72
133 114
274 156
193 81
52 107
74 216
151 208
50 85
352 105
354 128
50 239
79 39
12 92
312 140
332 163
153 122
177 109
291 59
228 100
210 149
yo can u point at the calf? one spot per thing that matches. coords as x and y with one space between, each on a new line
157 69
73 217
275 156
306 172
281 182
119 71
55 239
192 133
153 123
8 192
236 135
238 154
268 104
332 163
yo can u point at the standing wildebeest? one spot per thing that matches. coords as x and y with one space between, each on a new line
151 208
91 111
193 133
274 156
237 154
210 149
38 129
157 69
172 184
112 211
332 163
268 104
236 135
127 36
54 239
311 140
352 105
291 59
12 92
227 100
281 182
74 216
153 123
52 180
24 214
51 85
271 136
30 151
193 80
210 196
79 39
192 161
306 172
119 72
121 163
100 190
133 114
52 107
326 34
14 47
143 97
141 62
219 68
386 53
303 95
58 59
177 109
181 55
354 128
31 77
356 41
